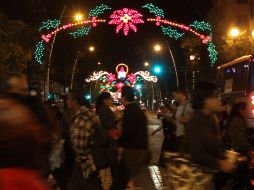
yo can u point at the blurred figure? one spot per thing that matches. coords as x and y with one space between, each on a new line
109 123
24 145
107 118
84 172
61 155
17 84
235 138
236 129
134 141
183 114
169 128
203 139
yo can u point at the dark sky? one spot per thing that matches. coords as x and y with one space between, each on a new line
111 48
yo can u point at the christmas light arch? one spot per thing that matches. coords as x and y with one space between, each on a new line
127 20
114 83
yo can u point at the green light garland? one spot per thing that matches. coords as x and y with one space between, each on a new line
168 31
39 52
49 24
155 10
83 31
212 53
201 26
98 10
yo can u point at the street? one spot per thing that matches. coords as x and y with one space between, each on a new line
158 175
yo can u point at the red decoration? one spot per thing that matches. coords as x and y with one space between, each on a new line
111 78
132 78
120 85
126 19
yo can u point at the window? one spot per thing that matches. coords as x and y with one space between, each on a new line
242 1
242 20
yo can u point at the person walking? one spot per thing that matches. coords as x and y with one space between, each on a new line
109 123
134 140
183 114
24 145
84 173
202 134
235 138
168 127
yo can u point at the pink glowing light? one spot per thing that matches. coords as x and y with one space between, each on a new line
126 19
131 78
111 78
120 85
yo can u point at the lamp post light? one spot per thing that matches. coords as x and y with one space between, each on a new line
157 48
146 64
234 32
79 17
91 49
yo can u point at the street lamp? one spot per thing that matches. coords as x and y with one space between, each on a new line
91 49
146 64
78 17
252 33
234 32
157 48
99 63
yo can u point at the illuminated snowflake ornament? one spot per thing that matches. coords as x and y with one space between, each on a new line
126 19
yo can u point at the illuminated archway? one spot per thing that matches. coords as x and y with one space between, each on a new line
114 83
126 20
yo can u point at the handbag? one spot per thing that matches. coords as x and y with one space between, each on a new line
185 175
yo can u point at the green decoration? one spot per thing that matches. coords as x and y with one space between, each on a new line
39 52
213 54
155 10
204 26
49 24
168 31
81 32
98 10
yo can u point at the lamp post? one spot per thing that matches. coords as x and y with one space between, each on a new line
91 49
157 48
46 89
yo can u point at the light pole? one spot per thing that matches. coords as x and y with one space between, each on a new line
157 48
91 49
46 89
78 17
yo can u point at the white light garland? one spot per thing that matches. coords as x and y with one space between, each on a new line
146 75
96 76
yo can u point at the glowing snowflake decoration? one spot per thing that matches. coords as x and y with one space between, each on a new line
126 19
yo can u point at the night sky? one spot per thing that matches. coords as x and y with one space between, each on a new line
111 48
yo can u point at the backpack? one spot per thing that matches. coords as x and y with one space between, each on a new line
102 148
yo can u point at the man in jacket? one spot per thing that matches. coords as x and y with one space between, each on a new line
134 141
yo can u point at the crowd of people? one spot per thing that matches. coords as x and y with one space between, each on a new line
40 144
209 134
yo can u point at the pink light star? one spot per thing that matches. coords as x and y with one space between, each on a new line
126 19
